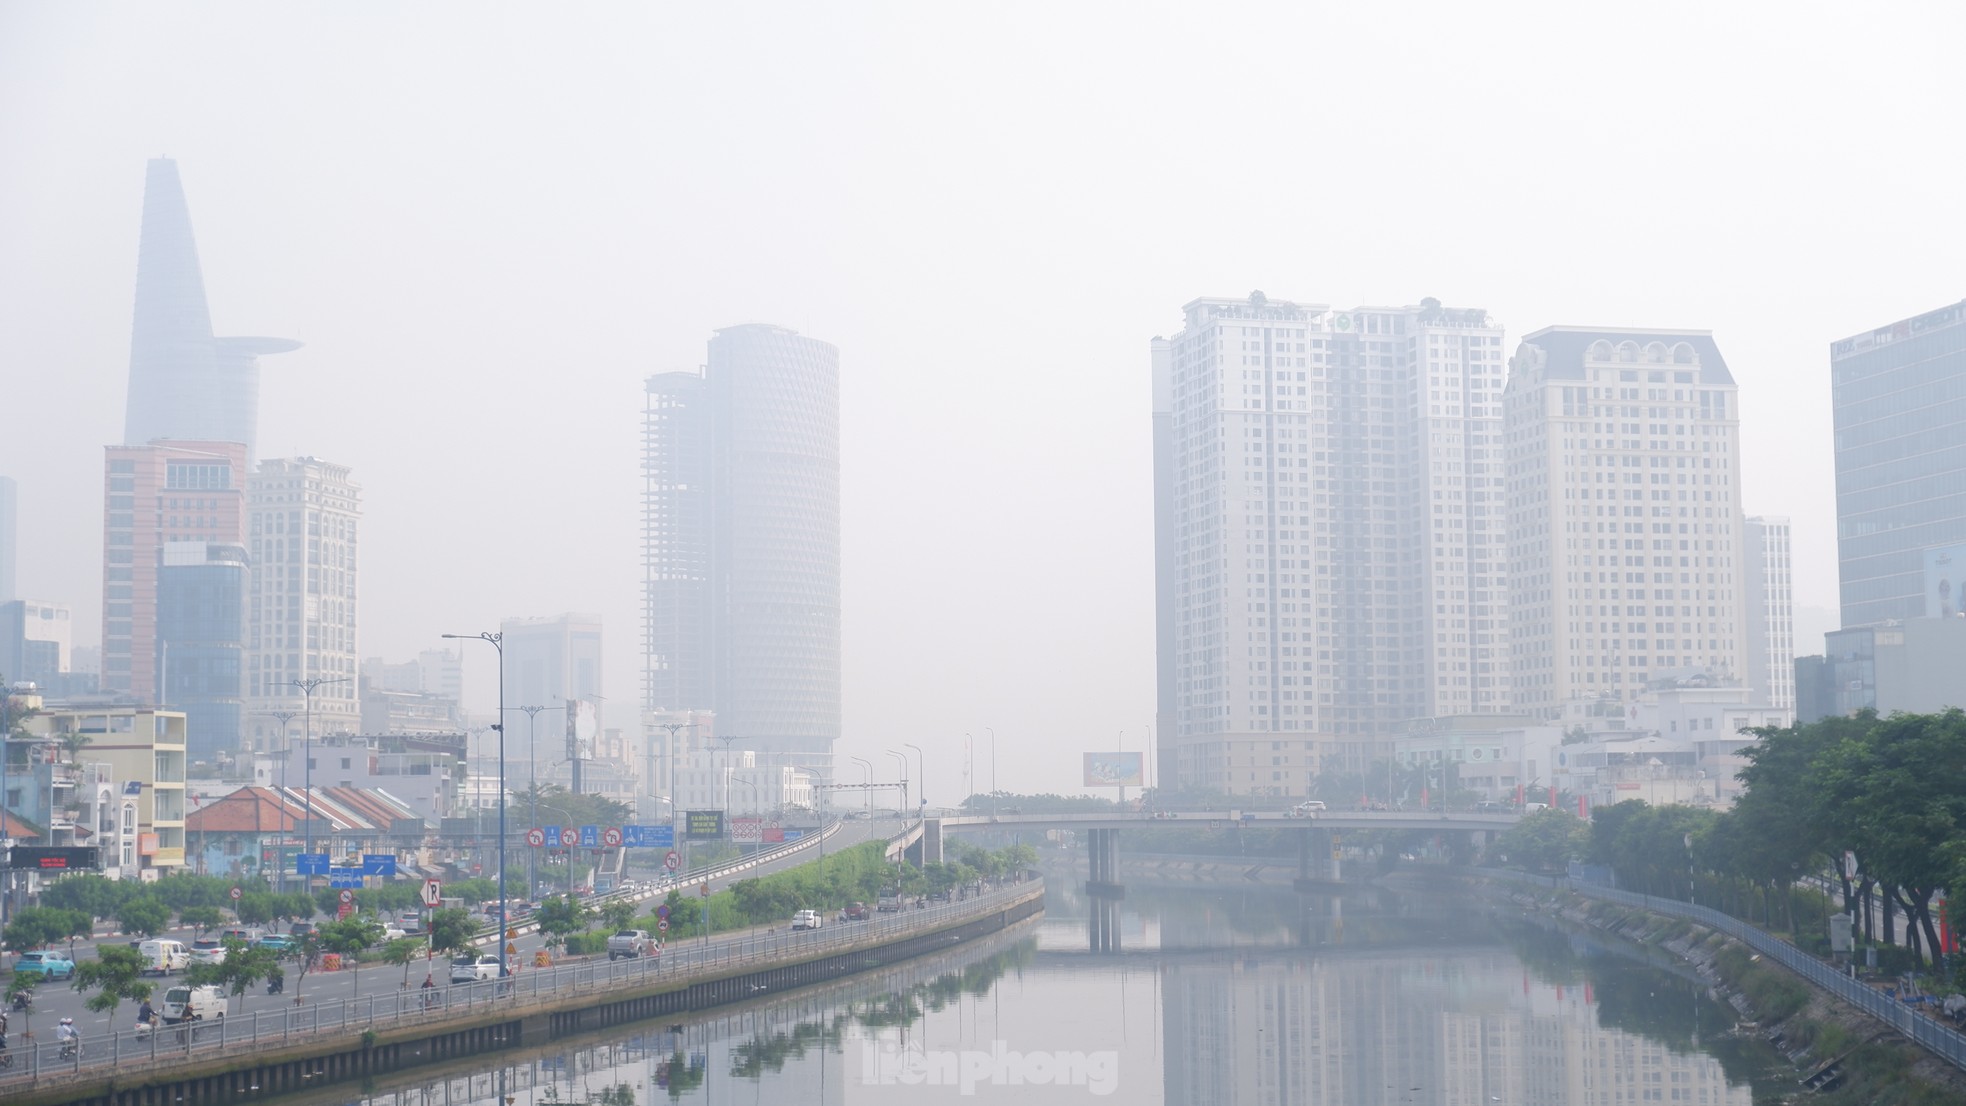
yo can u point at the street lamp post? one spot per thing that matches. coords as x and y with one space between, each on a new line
901 810
921 773
307 688
497 641
866 795
993 768
532 777
286 717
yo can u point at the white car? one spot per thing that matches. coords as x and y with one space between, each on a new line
207 950
474 969
807 919
1308 807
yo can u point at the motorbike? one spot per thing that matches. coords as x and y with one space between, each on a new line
276 986
22 1002
71 1048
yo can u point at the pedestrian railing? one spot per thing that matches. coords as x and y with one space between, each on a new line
682 961
1942 1039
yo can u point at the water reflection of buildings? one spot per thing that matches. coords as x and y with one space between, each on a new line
1463 1029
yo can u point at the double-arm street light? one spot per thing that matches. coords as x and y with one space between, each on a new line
497 641
307 688
866 796
921 774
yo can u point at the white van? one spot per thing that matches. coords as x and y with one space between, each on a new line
196 1004
164 956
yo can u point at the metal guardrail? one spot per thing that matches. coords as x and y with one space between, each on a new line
1941 1039
129 1052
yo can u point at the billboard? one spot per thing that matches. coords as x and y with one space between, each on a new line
582 724
59 859
1113 770
747 829
1945 582
703 825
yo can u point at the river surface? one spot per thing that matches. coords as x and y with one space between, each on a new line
1226 995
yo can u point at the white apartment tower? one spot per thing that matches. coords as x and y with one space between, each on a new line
1627 559
1771 612
302 516
1329 533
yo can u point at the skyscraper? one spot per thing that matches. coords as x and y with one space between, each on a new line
201 643
1330 563
303 516
1624 514
154 495
184 383
549 661
741 542
1771 611
1898 394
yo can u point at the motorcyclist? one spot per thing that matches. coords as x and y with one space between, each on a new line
71 1040
3 1031
23 1000
146 1014
276 984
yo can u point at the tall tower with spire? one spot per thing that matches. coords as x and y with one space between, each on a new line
184 383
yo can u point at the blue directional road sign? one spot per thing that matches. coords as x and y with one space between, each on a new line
794 835
311 864
648 837
590 837
378 864
552 837
344 877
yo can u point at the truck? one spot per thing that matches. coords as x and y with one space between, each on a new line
193 1004
631 943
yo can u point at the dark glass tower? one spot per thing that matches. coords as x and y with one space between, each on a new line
742 542
201 643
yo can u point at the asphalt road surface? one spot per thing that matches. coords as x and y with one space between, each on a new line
56 999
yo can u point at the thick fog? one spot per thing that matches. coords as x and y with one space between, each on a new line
490 223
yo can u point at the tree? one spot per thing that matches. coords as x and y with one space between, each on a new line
349 938
144 916
560 917
402 951
36 927
117 974
1546 841
618 914
244 965
451 930
294 906
205 918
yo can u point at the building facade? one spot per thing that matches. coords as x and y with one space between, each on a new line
304 518
201 644
1627 553
1329 543
36 641
741 524
1898 394
1771 611
154 495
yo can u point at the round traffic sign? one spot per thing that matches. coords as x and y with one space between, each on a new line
235 894
611 836
662 911
662 924
569 836
347 895
535 837
673 861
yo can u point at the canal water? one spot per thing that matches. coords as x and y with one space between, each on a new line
1214 996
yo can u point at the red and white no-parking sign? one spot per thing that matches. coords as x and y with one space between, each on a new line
235 894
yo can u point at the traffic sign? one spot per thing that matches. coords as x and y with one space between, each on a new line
662 924
672 861
511 949
235 894
569 837
433 893
611 837
662 911
378 864
311 864
590 837
344 910
535 837
344 877
348 896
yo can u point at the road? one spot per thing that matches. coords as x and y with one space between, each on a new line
56 999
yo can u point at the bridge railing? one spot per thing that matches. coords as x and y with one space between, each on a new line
44 1060
1942 1039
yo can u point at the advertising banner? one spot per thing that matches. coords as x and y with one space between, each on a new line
1945 582
582 726
748 830
1113 770
703 825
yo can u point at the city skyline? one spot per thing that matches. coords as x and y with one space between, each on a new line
987 256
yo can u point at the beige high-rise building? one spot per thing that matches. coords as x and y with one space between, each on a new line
1330 553
1626 547
302 518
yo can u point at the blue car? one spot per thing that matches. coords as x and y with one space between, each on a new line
278 942
48 964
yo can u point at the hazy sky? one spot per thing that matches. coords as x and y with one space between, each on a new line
489 224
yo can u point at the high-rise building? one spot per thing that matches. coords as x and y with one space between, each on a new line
302 515
184 383
1898 395
1627 558
1329 543
9 535
549 663
154 495
741 542
201 643
1771 611
36 639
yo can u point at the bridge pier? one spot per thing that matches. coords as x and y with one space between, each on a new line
1317 859
1103 887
